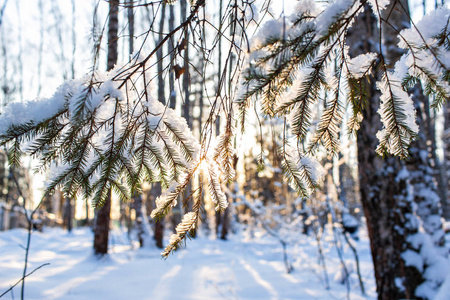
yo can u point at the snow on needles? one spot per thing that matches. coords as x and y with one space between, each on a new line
398 115
137 139
426 57
328 16
316 171
359 65
37 110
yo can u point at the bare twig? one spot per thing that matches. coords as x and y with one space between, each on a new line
358 270
287 264
23 278
30 228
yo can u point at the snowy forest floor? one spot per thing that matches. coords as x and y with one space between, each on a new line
206 269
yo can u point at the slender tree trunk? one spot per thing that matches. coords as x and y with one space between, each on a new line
219 64
141 222
225 223
159 224
187 109
218 214
20 58
170 45
130 17
187 104
158 230
74 40
159 58
200 95
59 34
86 208
101 230
113 27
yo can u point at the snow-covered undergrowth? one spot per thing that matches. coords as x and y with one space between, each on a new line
206 269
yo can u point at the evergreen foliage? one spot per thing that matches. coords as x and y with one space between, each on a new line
107 131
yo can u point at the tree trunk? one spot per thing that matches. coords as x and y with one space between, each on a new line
219 66
225 224
446 164
187 105
142 224
158 234
113 27
67 214
130 17
384 188
101 230
173 94
159 58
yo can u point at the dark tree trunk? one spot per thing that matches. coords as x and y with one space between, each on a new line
101 230
130 17
219 65
173 94
68 214
186 105
225 224
159 224
159 57
139 219
113 27
218 223
187 109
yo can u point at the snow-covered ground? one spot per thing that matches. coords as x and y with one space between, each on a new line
206 269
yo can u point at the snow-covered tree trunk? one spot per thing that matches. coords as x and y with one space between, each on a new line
419 164
101 230
383 188
446 163
422 179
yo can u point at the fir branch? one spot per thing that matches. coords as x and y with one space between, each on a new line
397 133
329 125
293 176
217 195
224 153
187 225
168 198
